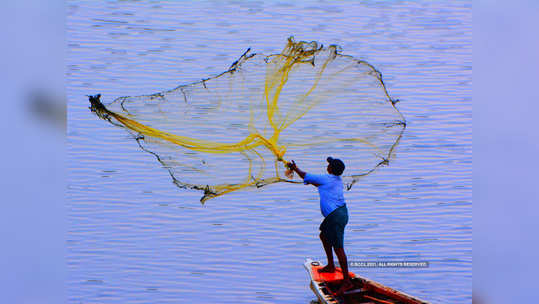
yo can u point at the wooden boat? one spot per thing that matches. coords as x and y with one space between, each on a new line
325 285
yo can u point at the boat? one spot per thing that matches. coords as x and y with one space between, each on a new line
325 285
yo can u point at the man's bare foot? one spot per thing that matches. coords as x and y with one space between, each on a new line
327 268
346 285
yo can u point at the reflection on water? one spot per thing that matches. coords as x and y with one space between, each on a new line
135 237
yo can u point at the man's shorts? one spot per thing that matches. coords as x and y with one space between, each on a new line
333 226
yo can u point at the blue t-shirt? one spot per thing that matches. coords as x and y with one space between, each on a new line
330 188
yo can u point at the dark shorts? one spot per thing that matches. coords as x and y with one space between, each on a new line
333 226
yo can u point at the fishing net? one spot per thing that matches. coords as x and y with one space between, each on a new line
240 128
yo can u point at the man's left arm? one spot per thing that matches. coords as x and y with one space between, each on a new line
307 178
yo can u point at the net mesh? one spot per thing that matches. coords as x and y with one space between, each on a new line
238 129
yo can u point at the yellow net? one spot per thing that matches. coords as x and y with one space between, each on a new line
307 102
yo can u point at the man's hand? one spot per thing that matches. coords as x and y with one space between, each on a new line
292 165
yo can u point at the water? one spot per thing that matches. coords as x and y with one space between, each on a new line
134 237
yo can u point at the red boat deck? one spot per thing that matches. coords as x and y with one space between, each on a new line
329 277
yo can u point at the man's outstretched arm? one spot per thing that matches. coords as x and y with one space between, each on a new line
292 166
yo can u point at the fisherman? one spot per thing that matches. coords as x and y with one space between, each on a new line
333 207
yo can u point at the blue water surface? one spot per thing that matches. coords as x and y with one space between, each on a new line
134 237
